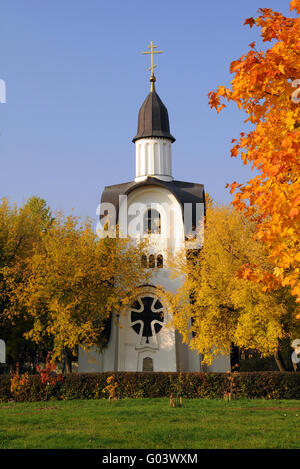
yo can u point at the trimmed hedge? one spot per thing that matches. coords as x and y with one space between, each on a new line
266 385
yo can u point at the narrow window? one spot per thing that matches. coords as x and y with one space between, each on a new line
160 261
152 223
151 261
144 260
147 364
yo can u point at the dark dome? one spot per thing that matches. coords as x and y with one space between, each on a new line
153 119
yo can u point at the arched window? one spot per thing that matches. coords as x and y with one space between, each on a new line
147 364
151 261
160 261
152 224
144 260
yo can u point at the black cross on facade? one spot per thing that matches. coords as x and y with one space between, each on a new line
147 310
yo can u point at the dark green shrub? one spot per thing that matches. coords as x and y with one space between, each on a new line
5 394
266 385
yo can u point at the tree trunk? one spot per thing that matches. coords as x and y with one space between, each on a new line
67 366
279 360
294 366
234 358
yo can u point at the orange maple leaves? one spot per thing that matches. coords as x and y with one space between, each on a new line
263 86
295 5
250 21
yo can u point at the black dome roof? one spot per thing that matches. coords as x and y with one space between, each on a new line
153 119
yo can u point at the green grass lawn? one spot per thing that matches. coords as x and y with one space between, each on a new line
150 424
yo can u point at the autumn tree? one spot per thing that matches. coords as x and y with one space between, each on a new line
20 230
73 282
263 85
215 308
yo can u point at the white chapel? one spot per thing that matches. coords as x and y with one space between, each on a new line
140 339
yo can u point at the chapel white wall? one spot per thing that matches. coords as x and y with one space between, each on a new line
121 353
153 158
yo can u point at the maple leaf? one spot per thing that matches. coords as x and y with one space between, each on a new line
221 91
221 107
250 21
234 150
233 186
235 66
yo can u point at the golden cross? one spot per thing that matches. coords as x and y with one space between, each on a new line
153 65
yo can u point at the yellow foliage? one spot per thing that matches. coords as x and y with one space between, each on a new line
66 280
225 306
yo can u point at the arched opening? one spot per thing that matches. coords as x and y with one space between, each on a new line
152 222
159 261
151 261
147 364
144 261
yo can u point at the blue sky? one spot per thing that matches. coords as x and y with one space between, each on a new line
76 78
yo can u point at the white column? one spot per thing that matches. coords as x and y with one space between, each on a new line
153 158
